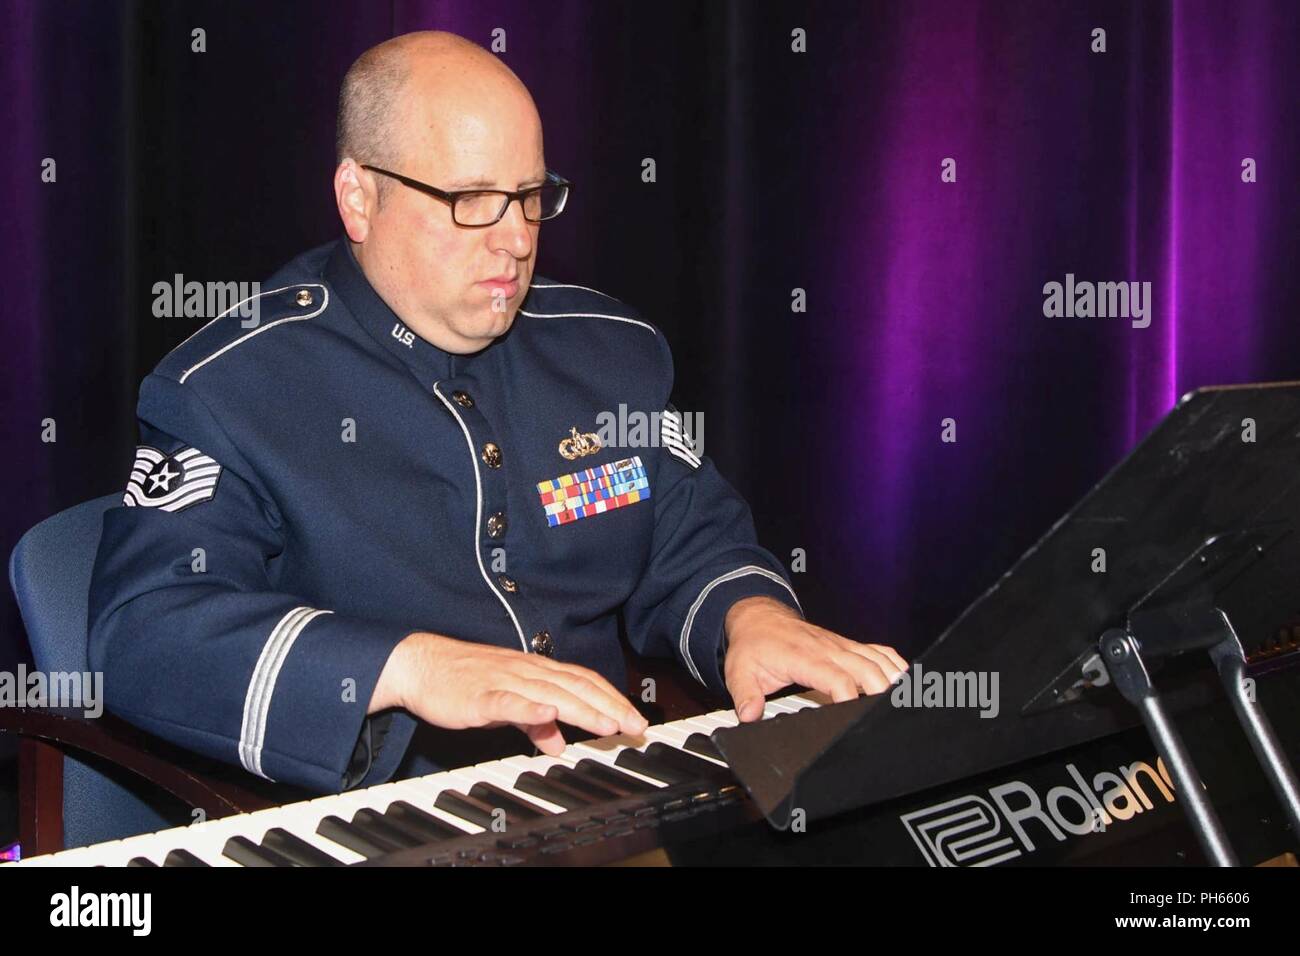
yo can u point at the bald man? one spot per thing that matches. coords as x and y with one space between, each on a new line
388 501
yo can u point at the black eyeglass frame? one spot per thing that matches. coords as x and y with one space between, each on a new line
552 179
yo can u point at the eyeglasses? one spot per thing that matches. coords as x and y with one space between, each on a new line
483 207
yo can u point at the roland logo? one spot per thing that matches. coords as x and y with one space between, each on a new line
1012 818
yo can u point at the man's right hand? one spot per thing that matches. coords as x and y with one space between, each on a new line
459 684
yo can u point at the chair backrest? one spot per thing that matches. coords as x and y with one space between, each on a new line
49 572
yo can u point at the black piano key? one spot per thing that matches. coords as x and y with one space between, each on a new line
474 809
491 793
297 849
703 745
418 822
141 861
247 853
625 785
554 791
372 821
356 838
584 783
655 767
182 858
686 762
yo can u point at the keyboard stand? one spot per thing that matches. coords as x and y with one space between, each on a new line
1152 635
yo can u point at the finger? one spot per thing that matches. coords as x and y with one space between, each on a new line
873 653
569 707
747 695
507 707
869 674
546 737
824 675
593 689
892 654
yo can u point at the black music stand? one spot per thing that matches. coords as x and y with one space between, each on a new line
1197 525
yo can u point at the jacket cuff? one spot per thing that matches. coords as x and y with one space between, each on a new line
702 642
380 748
306 711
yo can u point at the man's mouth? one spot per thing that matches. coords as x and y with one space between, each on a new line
501 286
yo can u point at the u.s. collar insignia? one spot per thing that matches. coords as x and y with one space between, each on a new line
170 482
576 445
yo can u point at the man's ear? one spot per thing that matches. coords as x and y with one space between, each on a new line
355 195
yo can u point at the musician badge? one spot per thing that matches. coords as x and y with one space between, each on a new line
578 445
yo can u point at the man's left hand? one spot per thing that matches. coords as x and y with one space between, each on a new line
769 646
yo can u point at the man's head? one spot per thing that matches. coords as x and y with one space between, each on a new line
439 109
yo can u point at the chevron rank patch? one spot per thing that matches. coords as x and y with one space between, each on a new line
593 491
171 482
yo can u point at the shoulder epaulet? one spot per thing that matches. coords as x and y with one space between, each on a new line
548 299
243 321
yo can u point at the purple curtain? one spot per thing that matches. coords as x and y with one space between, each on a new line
777 170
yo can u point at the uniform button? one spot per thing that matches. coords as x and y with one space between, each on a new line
491 455
462 399
508 584
304 297
542 644
496 525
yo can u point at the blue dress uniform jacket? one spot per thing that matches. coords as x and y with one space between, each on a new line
313 488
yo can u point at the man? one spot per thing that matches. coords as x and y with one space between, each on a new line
385 502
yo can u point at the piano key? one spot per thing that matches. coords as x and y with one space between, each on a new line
506 777
182 857
668 733
513 804
373 821
417 821
607 750
359 839
422 793
677 739
302 823
703 745
625 784
701 768
554 791
813 698
141 861
580 779
295 849
659 769
781 706
247 853
477 810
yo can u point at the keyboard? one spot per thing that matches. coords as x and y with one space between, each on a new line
599 801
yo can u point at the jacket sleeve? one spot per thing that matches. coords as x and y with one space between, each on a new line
704 557
195 643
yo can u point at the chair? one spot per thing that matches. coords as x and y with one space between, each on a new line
49 572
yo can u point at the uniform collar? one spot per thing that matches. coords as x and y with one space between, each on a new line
344 275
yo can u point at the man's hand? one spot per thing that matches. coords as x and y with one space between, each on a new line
459 684
769 647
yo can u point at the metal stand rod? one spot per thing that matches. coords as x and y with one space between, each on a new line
1229 659
1187 783
1128 670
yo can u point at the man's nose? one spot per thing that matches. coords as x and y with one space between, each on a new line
513 232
